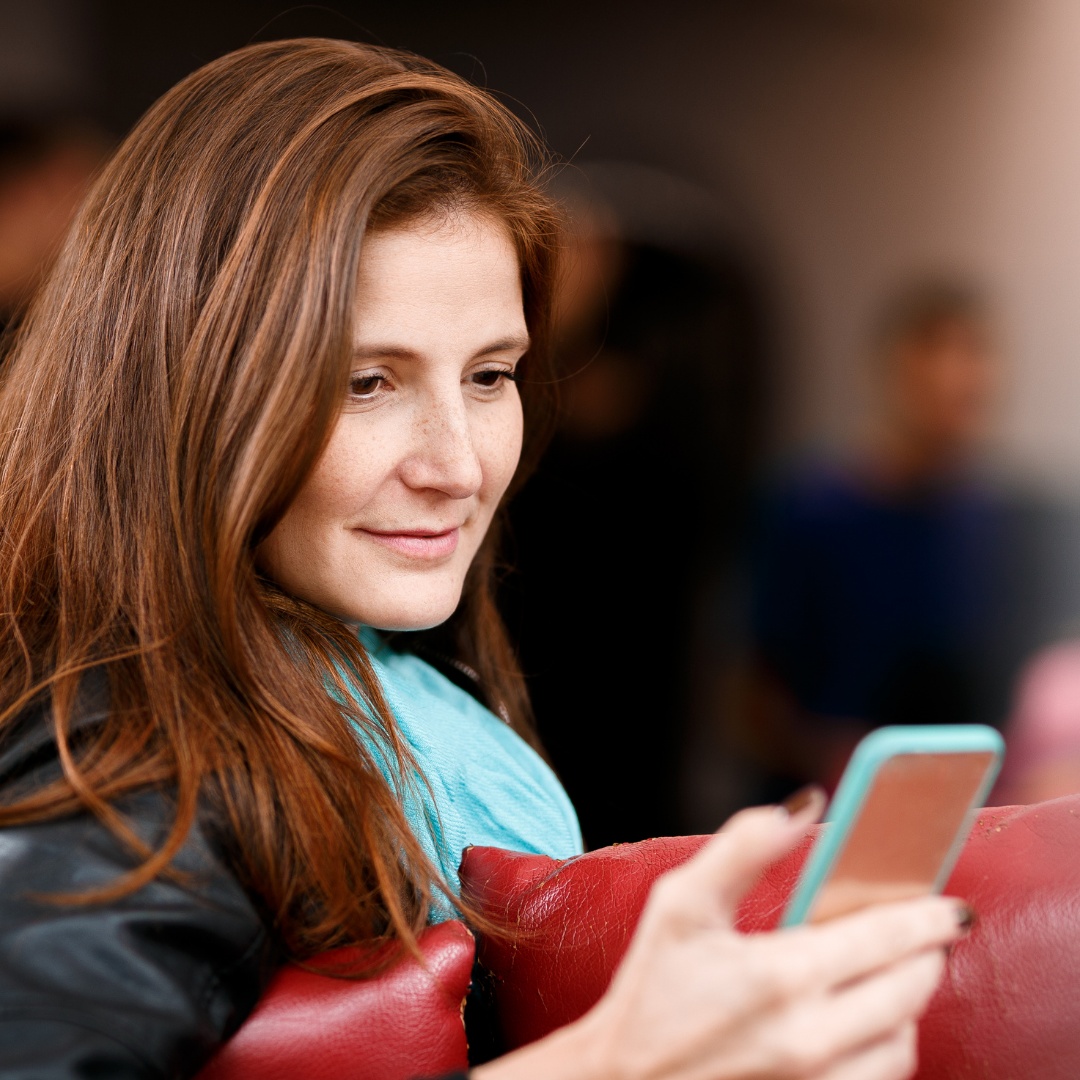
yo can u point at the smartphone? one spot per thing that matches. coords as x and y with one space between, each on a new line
903 809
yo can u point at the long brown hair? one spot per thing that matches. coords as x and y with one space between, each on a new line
173 386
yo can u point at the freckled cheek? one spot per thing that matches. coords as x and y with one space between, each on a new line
347 477
499 447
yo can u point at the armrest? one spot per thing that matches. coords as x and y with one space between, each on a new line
401 1024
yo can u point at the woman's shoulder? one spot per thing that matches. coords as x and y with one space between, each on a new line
139 944
28 753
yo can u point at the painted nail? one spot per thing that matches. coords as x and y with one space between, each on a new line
966 917
799 802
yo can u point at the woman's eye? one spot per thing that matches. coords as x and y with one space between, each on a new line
490 379
365 386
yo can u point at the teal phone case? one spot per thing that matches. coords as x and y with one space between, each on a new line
869 755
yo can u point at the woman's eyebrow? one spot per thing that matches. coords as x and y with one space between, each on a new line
374 352
507 345
400 352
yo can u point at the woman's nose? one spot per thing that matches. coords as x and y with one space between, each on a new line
444 455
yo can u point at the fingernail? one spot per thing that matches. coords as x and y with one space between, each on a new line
966 917
802 800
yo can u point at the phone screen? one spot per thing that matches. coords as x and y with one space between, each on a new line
909 821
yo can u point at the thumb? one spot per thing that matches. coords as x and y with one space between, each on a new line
712 884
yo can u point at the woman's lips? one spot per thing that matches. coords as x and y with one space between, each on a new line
417 545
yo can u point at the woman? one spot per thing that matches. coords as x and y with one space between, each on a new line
262 418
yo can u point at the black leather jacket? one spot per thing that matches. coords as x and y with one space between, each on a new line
145 986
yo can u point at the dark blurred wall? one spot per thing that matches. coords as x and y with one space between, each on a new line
49 52
855 143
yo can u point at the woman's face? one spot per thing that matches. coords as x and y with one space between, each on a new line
383 531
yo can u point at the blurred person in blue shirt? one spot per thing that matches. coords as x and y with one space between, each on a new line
874 576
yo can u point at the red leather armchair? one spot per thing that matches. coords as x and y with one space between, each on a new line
405 1023
1008 1008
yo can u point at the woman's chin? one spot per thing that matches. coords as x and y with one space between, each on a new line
419 613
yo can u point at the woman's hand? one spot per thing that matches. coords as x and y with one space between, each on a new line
695 1000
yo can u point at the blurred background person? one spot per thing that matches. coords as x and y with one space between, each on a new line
45 169
874 576
1043 733
640 497
53 135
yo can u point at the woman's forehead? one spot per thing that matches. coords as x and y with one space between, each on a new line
456 275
